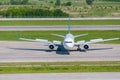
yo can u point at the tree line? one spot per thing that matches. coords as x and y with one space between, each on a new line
30 12
111 0
18 2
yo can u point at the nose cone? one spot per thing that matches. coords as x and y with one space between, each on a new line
68 44
68 41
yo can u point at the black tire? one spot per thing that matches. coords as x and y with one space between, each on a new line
86 47
51 47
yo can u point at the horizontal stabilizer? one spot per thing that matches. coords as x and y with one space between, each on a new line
58 35
80 35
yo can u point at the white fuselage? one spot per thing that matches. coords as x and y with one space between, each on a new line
68 42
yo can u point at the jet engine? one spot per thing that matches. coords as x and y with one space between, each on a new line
51 46
86 46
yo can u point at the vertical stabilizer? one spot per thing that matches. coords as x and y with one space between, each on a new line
69 25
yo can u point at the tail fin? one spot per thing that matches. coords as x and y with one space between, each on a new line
69 25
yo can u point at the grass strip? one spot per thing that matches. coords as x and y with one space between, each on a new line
92 34
52 67
57 22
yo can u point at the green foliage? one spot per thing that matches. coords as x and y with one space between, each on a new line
68 3
79 8
31 12
89 2
111 0
59 13
18 2
57 3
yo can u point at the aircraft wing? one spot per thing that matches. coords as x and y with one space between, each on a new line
56 43
95 41
34 40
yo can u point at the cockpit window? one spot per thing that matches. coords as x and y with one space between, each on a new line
68 41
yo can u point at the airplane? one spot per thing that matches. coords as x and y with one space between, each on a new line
69 41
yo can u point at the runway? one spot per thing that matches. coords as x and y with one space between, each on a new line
11 51
62 76
23 28
93 18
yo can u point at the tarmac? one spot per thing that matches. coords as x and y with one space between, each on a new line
63 76
23 28
93 18
12 51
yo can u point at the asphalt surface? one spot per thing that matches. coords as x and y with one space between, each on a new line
22 28
93 18
62 76
38 52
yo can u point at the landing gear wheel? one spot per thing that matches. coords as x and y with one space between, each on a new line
51 47
86 46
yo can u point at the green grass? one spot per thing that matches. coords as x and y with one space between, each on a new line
58 22
53 67
92 34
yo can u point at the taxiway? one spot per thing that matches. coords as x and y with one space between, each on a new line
11 51
23 28
62 76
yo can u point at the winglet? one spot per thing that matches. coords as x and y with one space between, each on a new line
69 25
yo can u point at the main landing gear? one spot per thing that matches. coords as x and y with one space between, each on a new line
62 50
79 49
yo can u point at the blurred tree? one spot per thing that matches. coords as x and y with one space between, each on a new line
24 1
68 4
18 2
57 3
89 2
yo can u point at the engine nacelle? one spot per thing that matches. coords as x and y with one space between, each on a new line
51 46
86 46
